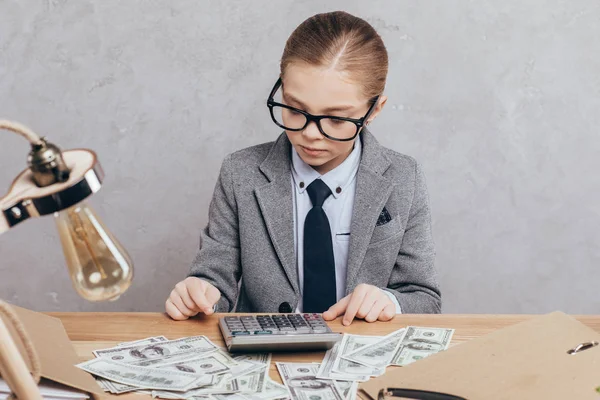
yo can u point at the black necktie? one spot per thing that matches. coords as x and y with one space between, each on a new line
319 265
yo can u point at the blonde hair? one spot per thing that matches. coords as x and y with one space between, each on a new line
342 41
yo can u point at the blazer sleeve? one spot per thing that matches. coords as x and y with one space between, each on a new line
413 280
218 259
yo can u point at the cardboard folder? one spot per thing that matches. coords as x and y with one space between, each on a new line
529 360
57 355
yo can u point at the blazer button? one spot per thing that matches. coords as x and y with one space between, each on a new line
285 308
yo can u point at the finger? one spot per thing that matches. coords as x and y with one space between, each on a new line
337 309
182 291
197 289
371 297
177 302
174 312
388 312
353 306
212 296
376 310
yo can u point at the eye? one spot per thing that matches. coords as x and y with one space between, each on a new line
337 122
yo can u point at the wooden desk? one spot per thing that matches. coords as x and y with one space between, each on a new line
91 331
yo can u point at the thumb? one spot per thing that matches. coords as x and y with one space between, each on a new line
212 296
337 309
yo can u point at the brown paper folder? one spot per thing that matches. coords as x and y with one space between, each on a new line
57 355
528 360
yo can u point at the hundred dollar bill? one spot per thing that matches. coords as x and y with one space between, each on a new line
326 368
273 391
142 377
348 389
261 376
206 365
303 384
150 340
252 383
232 396
104 384
421 342
349 344
380 353
228 388
120 388
146 355
245 367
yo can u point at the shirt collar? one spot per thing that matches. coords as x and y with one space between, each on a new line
338 179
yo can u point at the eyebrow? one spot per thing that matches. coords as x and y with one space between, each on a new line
326 111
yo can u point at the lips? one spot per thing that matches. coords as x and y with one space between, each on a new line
312 151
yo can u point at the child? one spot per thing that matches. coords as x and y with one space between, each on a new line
324 219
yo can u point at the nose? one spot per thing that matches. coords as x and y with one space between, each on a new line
312 131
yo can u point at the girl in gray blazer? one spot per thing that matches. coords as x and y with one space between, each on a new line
324 219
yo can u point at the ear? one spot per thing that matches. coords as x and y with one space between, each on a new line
377 110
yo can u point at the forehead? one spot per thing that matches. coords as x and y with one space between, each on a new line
321 88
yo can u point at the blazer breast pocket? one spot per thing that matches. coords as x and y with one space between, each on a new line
386 231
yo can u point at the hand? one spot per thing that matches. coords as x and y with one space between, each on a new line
190 297
367 302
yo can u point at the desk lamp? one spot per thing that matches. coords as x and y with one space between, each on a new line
57 182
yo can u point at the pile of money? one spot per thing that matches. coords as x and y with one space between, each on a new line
196 368
186 368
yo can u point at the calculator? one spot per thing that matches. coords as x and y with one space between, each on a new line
277 332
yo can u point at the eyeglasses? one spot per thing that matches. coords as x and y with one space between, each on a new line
335 128
397 393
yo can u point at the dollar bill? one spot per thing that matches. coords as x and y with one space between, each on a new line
380 353
142 377
228 388
326 368
245 367
273 391
119 388
419 343
303 384
349 344
260 377
348 389
232 396
206 365
252 383
104 384
149 354
150 340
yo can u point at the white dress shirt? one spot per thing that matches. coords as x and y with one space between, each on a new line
338 208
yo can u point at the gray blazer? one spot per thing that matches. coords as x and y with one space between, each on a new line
250 232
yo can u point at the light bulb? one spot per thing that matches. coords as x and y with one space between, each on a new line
99 266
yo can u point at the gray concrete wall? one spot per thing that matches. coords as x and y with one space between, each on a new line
499 100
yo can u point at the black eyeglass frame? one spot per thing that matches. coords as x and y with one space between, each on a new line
359 123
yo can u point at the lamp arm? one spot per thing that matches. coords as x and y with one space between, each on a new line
22 130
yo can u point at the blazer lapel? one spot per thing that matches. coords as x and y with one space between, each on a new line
372 192
275 200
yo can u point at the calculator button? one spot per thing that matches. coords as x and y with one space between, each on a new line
264 332
232 319
240 333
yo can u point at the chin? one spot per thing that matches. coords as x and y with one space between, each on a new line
313 161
